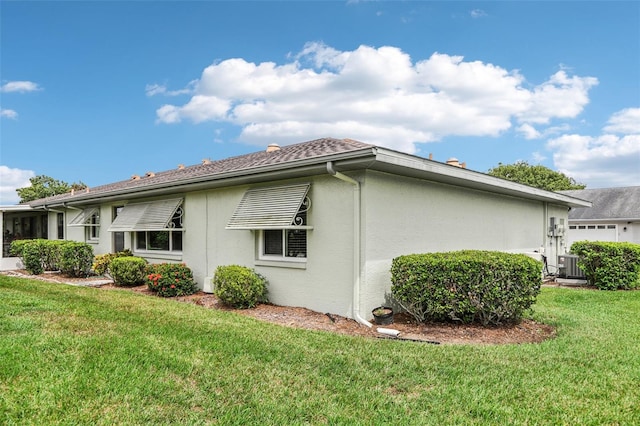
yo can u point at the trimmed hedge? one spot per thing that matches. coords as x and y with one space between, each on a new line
17 247
609 265
76 259
239 286
170 279
70 257
128 270
470 286
32 256
102 262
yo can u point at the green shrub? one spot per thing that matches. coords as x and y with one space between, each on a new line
609 265
102 262
128 270
470 286
170 279
46 253
52 254
32 256
239 286
16 247
76 258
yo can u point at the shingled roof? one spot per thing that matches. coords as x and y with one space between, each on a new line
210 170
608 203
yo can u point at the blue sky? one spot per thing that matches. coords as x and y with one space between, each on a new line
97 91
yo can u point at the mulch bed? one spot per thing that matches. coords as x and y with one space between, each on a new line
527 331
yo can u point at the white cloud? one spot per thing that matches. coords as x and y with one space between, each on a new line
528 131
605 161
626 121
161 89
559 97
375 94
20 86
538 157
478 13
10 180
8 113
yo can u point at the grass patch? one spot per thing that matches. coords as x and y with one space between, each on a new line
73 355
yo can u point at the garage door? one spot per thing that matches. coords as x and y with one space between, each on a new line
592 233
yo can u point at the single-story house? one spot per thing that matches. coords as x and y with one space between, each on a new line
615 215
321 220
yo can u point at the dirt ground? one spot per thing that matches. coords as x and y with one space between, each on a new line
433 333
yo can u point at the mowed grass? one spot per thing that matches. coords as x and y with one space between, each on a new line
71 355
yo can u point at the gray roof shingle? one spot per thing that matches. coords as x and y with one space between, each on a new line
608 203
287 154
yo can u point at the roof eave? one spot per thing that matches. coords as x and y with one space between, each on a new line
279 171
410 165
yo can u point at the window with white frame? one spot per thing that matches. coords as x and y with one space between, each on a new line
286 244
90 219
156 225
93 230
279 217
170 240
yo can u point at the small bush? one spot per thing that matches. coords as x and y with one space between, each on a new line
470 286
102 262
76 258
128 270
170 279
609 265
32 256
239 286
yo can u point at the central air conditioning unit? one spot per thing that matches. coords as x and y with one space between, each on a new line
568 267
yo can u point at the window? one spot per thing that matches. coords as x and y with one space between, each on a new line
286 244
60 219
279 214
90 219
93 228
169 240
118 237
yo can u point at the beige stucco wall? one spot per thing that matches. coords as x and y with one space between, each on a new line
322 283
405 216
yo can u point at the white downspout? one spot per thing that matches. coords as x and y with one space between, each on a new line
356 241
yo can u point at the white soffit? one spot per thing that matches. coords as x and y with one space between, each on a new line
269 208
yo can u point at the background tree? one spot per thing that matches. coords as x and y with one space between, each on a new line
537 176
44 186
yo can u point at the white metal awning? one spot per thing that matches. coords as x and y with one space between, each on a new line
84 218
270 208
150 216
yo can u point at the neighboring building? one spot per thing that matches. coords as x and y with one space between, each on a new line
321 220
615 215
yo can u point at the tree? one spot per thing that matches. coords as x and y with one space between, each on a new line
537 176
44 186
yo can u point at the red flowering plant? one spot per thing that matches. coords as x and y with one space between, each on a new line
170 279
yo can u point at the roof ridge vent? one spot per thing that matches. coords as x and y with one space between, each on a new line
180 166
206 161
273 147
135 177
150 174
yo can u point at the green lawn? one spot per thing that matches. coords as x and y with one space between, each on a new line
71 355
